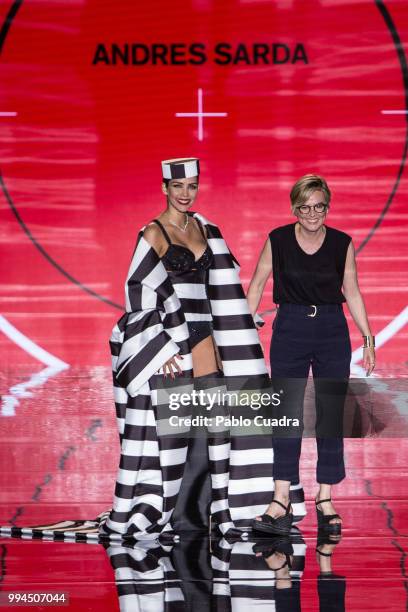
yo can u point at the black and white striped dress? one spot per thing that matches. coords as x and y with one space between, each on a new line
152 331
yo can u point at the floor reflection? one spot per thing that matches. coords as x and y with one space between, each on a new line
194 573
220 574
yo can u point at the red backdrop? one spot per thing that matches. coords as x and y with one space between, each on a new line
80 166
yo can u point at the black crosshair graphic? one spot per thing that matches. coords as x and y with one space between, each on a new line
404 71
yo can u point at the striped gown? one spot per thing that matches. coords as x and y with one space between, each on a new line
152 330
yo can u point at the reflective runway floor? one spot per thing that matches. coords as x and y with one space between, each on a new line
368 565
54 469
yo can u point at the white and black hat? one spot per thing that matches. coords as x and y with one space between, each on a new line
180 168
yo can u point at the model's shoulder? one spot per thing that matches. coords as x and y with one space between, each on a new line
153 234
151 228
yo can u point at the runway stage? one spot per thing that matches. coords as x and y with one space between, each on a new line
81 144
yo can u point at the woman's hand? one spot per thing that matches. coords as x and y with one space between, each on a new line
369 359
171 366
262 273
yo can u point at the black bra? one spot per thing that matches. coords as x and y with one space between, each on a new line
179 258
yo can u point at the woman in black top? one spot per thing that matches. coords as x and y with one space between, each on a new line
314 272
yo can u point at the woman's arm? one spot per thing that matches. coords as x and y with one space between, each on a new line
262 272
356 305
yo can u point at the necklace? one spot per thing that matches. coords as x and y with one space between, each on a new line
183 229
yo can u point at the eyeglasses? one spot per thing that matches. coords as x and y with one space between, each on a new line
305 209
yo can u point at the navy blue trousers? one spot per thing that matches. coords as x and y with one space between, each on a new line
321 342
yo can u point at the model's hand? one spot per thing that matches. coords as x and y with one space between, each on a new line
258 320
369 359
171 366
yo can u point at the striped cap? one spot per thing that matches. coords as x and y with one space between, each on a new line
180 168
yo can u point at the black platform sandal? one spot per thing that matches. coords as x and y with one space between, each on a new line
281 545
275 526
323 520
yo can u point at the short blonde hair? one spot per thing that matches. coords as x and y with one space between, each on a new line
305 186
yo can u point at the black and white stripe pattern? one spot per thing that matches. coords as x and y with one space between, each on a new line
180 168
81 531
192 295
234 330
153 330
151 467
145 577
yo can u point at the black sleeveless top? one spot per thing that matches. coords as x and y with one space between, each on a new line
299 278
179 258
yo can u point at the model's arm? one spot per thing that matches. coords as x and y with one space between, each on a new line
262 272
356 305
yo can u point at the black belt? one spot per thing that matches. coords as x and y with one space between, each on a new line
310 310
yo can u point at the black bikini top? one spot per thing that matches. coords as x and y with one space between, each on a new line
179 258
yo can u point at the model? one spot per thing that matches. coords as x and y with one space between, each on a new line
186 314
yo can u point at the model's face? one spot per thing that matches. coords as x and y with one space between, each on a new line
181 193
312 214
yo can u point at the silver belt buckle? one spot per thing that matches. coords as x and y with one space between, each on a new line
313 314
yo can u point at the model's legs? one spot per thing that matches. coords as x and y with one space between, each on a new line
207 366
205 357
206 474
192 508
219 449
193 502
